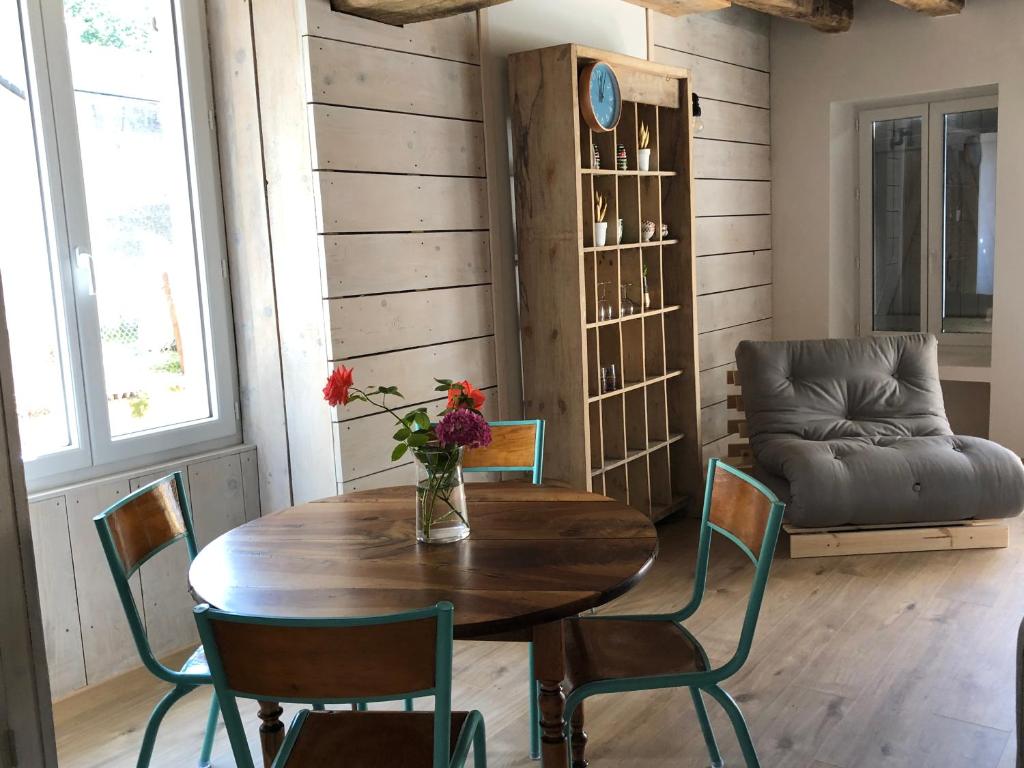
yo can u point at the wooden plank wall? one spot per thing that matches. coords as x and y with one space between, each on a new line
395 119
87 637
728 54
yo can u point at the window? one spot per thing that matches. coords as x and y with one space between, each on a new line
927 197
112 257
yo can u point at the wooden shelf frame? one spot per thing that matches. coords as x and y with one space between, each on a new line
639 443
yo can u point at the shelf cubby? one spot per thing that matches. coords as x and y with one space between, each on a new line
640 442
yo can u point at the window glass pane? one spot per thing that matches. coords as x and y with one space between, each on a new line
896 202
969 220
31 293
129 108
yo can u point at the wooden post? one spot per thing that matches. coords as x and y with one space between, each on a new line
271 730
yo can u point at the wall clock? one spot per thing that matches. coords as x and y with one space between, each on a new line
600 98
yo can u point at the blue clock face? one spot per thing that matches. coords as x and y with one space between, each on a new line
604 96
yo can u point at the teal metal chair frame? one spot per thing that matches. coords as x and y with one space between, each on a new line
537 473
183 682
472 735
708 681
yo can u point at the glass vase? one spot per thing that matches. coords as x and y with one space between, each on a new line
441 514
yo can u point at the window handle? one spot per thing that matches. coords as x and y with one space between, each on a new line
84 261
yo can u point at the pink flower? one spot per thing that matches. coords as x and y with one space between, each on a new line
463 427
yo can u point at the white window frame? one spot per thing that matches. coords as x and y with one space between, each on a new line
932 211
95 452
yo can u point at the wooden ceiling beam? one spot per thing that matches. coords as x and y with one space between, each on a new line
682 7
823 15
401 12
933 7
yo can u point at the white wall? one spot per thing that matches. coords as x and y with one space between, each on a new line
889 54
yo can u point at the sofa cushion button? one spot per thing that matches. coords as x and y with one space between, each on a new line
917 487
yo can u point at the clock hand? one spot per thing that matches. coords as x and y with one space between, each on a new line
600 93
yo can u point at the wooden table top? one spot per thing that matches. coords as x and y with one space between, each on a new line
535 554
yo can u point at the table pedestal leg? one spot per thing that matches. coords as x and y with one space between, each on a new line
549 663
271 730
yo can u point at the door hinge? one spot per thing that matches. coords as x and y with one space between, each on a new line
10 750
224 268
238 411
211 118
856 194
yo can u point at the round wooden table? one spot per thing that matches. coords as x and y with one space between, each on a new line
536 554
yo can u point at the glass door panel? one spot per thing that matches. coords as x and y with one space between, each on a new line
968 190
145 273
897 237
46 409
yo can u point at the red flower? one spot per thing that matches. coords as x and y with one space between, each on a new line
462 395
338 384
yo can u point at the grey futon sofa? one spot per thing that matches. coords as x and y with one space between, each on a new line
854 432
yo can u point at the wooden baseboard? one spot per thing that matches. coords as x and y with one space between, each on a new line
873 540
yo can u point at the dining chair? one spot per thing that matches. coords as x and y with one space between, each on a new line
611 654
131 531
344 660
516 446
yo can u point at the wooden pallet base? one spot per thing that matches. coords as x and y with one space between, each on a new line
873 540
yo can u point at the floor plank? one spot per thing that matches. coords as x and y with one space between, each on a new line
880 661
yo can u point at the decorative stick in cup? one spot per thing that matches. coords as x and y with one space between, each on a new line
643 158
600 225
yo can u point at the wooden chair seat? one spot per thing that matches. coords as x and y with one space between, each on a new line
614 649
366 739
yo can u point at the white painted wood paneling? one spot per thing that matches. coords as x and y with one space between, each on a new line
729 271
371 324
401 474
730 234
106 639
169 622
366 202
384 263
734 122
251 485
58 597
218 503
413 371
724 310
736 35
713 385
367 140
360 76
719 347
725 197
719 449
713 159
452 38
720 80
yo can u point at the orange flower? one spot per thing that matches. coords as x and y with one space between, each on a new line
338 385
462 395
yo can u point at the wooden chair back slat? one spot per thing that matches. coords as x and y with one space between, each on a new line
305 663
146 522
739 508
512 445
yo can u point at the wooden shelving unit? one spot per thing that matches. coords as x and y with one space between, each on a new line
639 442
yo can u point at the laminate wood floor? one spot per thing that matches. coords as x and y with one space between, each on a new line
859 662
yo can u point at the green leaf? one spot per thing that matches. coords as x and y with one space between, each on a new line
399 451
422 420
418 439
401 434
